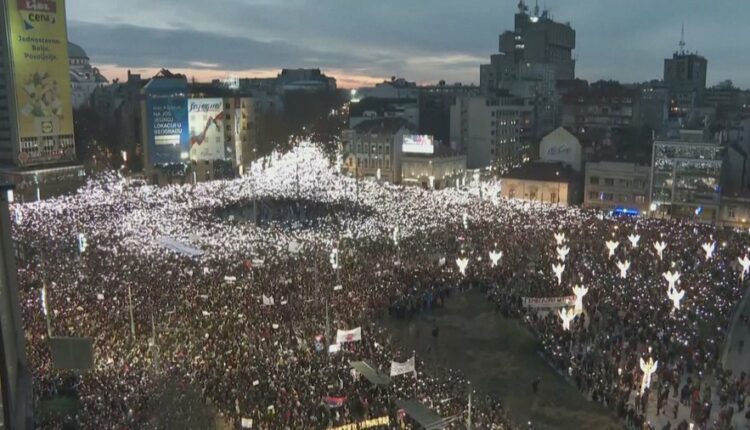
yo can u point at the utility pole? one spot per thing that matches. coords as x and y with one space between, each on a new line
46 311
130 306
468 424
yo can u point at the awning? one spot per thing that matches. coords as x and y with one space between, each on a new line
423 415
372 373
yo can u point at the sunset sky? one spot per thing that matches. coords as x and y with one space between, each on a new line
361 42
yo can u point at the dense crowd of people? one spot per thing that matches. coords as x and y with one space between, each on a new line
205 344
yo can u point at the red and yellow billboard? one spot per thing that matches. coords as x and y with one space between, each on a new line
39 53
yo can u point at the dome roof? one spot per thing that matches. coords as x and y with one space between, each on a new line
75 51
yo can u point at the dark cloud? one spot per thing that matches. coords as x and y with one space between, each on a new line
132 46
616 39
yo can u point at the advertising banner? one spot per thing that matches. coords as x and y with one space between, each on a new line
39 52
167 127
418 144
549 302
206 119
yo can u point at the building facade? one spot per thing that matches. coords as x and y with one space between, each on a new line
685 177
84 78
552 183
433 172
562 146
735 211
617 186
490 130
374 148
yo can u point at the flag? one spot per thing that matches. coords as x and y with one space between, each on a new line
401 368
247 423
267 301
354 335
334 402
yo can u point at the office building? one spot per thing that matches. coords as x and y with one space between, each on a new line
685 176
535 40
532 59
617 186
490 130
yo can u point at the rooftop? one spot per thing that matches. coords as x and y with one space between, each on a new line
542 171
383 126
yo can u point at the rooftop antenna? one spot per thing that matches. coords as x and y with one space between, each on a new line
682 40
536 8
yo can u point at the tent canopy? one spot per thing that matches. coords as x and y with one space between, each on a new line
371 372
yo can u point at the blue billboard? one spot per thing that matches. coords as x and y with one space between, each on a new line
167 121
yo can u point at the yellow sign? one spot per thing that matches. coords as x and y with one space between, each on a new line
39 48
375 422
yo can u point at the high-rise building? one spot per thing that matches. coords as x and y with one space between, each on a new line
532 59
15 378
37 145
685 77
36 114
685 176
537 46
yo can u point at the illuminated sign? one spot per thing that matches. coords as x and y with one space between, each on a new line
418 144
206 119
167 123
39 54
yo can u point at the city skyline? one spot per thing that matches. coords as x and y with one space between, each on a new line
420 42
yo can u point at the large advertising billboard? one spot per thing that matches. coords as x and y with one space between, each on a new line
418 144
39 52
206 119
167 127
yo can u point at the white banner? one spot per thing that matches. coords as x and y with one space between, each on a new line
354 335
247 423
401 368
179 247
267 301
549 302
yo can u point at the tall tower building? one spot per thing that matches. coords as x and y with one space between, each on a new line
537 47
36 113
37 146
685 75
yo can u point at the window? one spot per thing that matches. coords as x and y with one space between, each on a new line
640 198
609 181
594 180
593 195
731 211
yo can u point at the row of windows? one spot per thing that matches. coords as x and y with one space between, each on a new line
625 183
609 197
